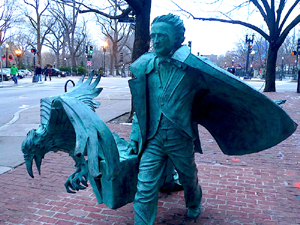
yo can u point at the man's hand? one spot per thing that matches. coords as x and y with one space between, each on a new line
132 147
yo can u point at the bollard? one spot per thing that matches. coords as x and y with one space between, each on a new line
35 79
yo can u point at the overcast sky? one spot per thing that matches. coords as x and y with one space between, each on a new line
211 37
207 37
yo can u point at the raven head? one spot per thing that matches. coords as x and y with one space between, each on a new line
33 148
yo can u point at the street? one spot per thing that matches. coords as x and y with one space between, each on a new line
27 94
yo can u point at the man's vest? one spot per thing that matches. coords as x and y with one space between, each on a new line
157 81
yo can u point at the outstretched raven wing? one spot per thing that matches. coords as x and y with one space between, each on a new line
83 91
91 137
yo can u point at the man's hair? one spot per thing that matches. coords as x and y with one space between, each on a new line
175 22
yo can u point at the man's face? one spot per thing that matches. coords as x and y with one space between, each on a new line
163 38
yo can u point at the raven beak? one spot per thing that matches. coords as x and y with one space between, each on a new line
38 163
28 162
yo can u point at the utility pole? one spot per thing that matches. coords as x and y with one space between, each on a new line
34 77
1 58
298 52
249 43
282 58
89 52
104 46
190 45
6 56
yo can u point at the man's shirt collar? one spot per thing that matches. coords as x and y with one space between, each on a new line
177 59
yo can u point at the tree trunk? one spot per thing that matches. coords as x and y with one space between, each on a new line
73 60
57 55
142 37
111 64
142 31
271 69
38 44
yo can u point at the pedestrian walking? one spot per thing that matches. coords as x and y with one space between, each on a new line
45 72
49 72
38 72
14 71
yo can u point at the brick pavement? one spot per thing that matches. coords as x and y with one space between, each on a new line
261 188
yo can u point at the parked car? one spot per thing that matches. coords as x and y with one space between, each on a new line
57 72
21 74
231 70
26 72
6 74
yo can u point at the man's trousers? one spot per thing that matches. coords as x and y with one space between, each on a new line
167 143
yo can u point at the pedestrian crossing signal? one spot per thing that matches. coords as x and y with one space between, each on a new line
33 50
121 57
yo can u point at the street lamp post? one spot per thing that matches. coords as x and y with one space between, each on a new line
105 45
6 58
18 53
282 58
249 42
252 59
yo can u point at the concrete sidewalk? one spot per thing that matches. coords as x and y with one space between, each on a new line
261 188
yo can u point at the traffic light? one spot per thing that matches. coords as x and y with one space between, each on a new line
91 49
121 57
10 58
86 49
190 44
294 53
298 45
250 47
33 50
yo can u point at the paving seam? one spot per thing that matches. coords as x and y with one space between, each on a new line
16 116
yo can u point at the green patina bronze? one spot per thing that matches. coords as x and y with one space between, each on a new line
173 92
69 124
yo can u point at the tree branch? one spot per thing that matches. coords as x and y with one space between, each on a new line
261 10
288 14
279 11
258 30
136 4
286 31
124 12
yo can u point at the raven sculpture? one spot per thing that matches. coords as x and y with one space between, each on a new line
69 124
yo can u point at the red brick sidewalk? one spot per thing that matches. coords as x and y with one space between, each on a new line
259 188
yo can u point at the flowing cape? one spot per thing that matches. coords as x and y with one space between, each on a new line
241 119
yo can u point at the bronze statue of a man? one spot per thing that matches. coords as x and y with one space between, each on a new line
164 107
173 91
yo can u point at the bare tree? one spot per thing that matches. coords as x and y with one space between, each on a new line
116 33
6 18
73 35
54 41
141 9
41 24
279 17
